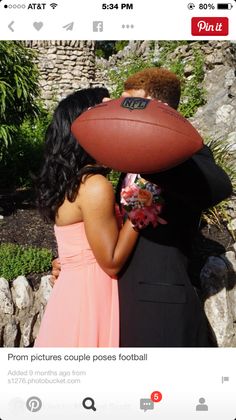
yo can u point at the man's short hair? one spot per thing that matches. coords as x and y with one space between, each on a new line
159 83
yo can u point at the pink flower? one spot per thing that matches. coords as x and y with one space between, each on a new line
142 217
129 194
138 218
152 215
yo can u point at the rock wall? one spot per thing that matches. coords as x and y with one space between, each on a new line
21 307
141 49
217 118
64 66
218 292
21 311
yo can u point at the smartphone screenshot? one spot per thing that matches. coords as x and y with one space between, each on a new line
117 210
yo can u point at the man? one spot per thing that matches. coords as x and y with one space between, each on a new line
158 304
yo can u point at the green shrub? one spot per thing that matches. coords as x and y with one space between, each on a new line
16 260
105 49
114 178
193 93
120 45
122 71
24 155
18 89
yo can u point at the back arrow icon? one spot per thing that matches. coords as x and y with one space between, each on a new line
10 26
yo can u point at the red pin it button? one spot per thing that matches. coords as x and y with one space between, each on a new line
210 26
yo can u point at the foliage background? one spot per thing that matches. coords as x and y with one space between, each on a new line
22 116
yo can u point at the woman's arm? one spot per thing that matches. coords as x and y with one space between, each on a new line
110 245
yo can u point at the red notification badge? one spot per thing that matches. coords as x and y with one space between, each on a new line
156 396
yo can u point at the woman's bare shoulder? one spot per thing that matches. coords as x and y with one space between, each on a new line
96 187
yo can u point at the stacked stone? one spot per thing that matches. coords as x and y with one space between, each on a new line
21 310
217 118
218 281
65 66
141 49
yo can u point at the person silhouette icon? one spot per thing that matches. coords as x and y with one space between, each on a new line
202 406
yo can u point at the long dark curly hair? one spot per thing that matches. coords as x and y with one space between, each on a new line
65 161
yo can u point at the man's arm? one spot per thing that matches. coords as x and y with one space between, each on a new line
218 182
199 181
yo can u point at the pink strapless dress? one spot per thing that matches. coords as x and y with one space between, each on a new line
83 309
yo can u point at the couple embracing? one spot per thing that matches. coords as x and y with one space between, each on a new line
119 285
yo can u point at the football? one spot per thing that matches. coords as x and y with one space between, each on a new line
136 135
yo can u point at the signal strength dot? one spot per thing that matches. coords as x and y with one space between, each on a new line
53 5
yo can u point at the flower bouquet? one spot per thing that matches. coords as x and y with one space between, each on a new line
142 203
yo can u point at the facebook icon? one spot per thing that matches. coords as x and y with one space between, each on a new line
98 26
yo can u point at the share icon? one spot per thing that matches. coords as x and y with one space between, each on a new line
69 26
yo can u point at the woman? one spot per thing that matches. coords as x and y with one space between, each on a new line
74 193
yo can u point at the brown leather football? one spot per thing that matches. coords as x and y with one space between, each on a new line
136 135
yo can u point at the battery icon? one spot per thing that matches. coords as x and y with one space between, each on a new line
224 6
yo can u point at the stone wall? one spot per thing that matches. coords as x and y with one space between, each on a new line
218 293
64 66
22 307
21 310
217 118
141 49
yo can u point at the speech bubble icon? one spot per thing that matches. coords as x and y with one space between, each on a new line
146 404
